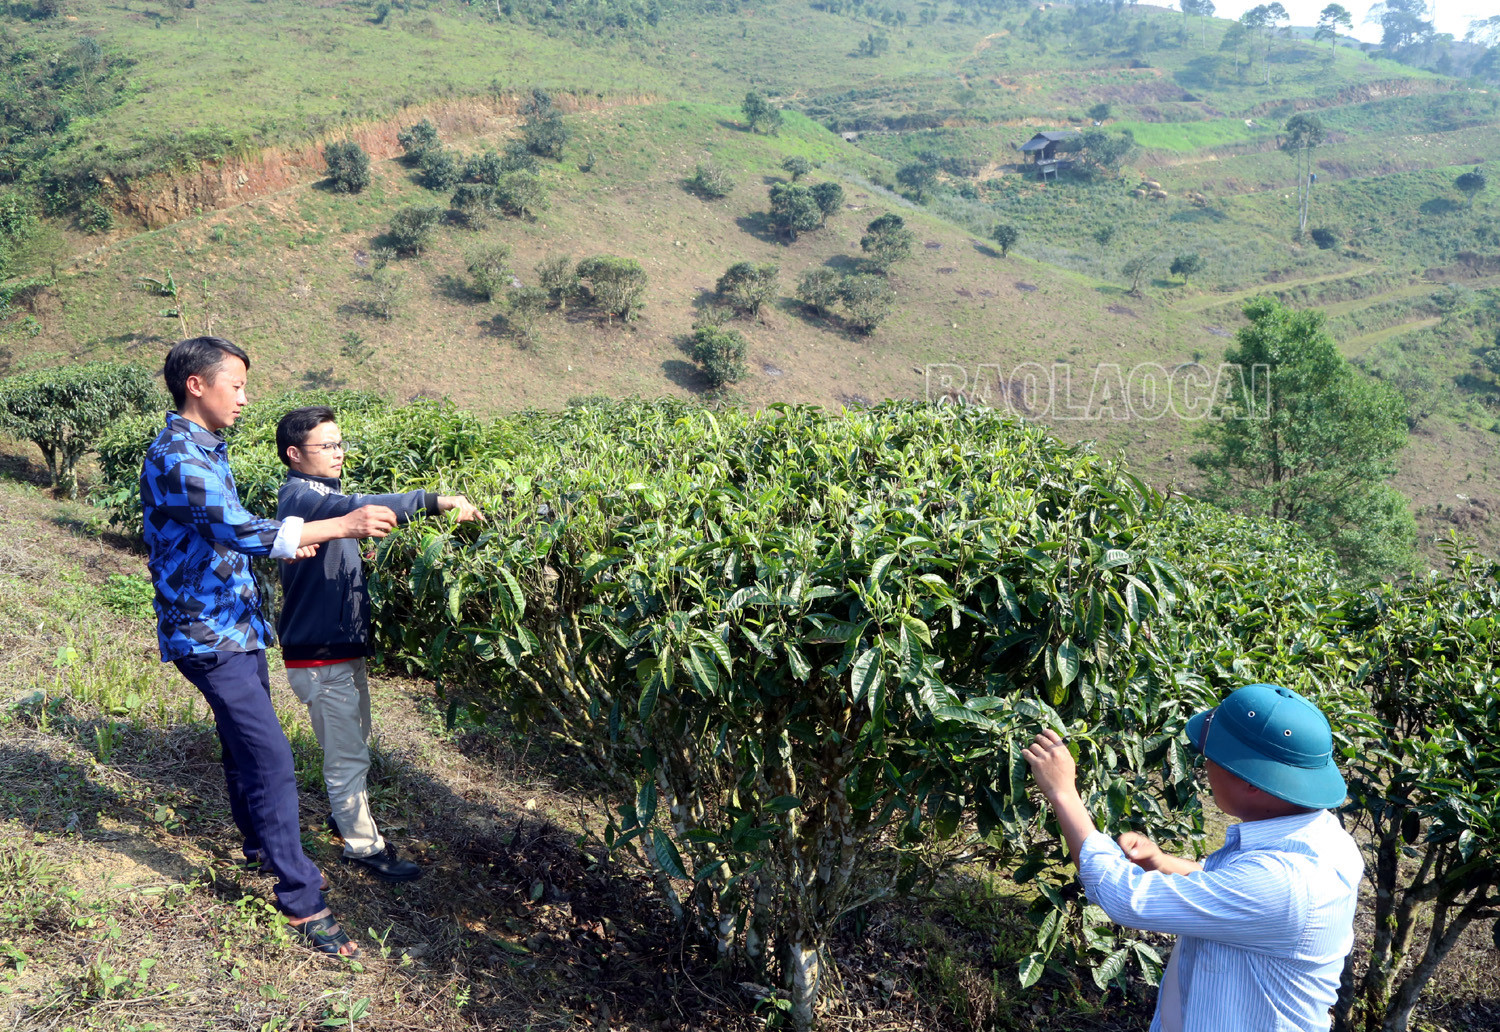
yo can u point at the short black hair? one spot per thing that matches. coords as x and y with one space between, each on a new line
197 356
292 430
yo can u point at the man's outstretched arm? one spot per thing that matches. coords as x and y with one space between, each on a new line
1057 776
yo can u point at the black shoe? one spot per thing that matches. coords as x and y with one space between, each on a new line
385 866
333 826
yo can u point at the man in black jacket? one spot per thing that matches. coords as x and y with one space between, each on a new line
325 625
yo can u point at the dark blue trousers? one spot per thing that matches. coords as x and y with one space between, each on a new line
258 771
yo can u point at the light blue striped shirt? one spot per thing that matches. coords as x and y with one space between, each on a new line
1262 930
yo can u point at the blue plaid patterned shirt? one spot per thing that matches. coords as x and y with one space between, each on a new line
199 537
1262 931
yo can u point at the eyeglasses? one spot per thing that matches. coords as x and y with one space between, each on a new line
331 446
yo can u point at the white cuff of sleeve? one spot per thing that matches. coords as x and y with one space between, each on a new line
288 538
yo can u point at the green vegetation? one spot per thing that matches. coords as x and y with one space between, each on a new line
616 286
1006 236
721 353
1306 438
348 166
760 115
938 624
411 227
489 270
710 181
887 241
64 411
746 286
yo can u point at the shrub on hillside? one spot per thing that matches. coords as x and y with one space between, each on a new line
384 292
523 307
521 194
867 299
489 269
794 210
721 353
558 276
829 197
710 180
760 115
543 131
63 411
348 166
439 171
485 168
887 241
1006 236
820 289
747 286
475 203
796 166
700 645
616 286
417 140
411 227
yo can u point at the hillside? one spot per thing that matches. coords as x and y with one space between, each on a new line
204 131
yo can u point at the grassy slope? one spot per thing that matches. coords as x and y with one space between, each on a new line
303 241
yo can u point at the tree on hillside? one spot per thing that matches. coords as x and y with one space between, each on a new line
1402 23
710 181
820 289
411 226
1471 184
721 353
829 197
1265 22
887 241
616 285
796 166
1235 37
1006 236
417 139
1104 151
543 132
1330 20
439 171
794 210
1303 133
489 268
760 115
917 176
747 286
1305 437
1136 268
348 166
1185 265
1203 10
64 411
1099 112
867 299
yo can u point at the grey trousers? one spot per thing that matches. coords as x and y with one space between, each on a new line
337 697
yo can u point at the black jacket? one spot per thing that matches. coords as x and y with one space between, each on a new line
325 611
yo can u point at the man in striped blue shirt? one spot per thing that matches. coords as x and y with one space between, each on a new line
1264 924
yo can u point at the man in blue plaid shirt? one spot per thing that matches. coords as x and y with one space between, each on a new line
209 621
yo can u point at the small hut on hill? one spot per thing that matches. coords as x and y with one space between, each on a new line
1042 148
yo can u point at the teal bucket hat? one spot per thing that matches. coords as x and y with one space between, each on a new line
1276 740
